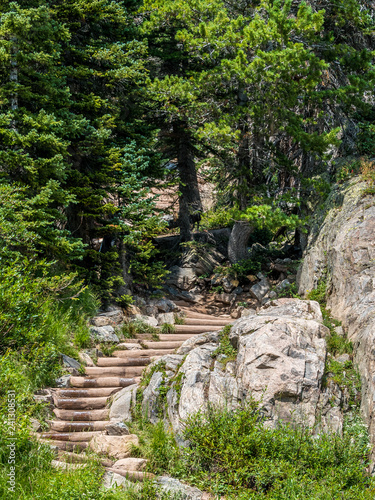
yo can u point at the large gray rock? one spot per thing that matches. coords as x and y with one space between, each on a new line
305 309
122 403
148 320
69 362
131 464
166 318
117 429
114 480
341 247
86 359
101 321
178 490
166 305
280 362
115 446
150 406
260 290
103 334
183 278
63 382
203 261
114 315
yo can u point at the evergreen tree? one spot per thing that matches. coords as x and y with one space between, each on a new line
258 94
71 84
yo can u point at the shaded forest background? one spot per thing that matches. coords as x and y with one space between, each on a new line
101 101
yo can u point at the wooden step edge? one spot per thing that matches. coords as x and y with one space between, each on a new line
57 464
72 437
131 475
70 457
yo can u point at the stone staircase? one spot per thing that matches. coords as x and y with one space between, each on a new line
81 410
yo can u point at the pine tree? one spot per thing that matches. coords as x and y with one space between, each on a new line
73 76
33 100
258 94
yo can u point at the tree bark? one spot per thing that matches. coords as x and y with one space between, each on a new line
237 246
190 204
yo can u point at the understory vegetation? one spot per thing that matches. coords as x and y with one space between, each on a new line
231 453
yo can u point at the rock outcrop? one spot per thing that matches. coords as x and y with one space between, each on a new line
278 359
341 250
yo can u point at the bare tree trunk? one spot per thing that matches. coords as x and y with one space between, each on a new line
190 204
237 246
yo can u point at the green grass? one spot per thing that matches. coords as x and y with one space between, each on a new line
54 329
167 328
36 479
131 328
179 320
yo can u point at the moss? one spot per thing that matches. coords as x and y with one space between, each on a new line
225 347
147 375
345 375
177 384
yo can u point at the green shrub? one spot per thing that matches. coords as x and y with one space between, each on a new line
264 217
162 450
348 169
290 291
36 479
125 301
231 452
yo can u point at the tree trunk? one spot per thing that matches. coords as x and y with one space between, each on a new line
237 246
190 204
125 266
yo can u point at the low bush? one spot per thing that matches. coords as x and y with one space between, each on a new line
231 453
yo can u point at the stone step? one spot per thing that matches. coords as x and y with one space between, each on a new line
70 436
62 426
131 474
74 458
86 382
77 416
80 403
75 392
66 445
145 352
114 361
166 337
126 371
